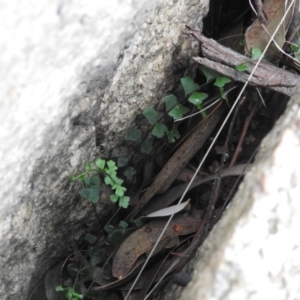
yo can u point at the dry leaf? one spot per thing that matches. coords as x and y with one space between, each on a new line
185 175
168 211
257 37
144 239
118 284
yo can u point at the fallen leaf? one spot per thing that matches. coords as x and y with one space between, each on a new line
154 272
117 284
185 175
166 243
168 211
144 239
257 37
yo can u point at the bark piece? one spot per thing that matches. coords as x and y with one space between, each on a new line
225 60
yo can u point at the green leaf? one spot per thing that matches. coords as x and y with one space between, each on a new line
133 135
114 184
100 163
223 95
90 238
59 288
159 130
70 293
107 272
97 255
241 67
112 165
116 235
178 112
108 228
88 166
189 85
151 115
173 134
138 222
209 73
122 161
72 269
123 224
80 177
111 173
256 53
108 180
197 99
92 182
170 102
86 273
91 194
114 198
95 260
68 282
124 201
294 48
129 172
111 169
204 113
118 181
221 81
242 42
95 251
120 191
147 146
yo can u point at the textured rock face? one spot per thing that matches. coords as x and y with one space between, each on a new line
58 59
156 61
253 252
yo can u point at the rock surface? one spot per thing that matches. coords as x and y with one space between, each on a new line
74 74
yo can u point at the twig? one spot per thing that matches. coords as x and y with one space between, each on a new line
243 134
230 130
225 60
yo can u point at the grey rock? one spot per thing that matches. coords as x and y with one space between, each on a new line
57 58
74 75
